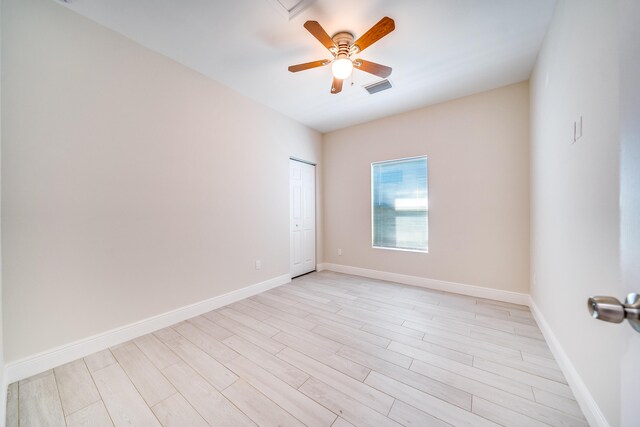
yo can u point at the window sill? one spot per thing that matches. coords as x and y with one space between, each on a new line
401 249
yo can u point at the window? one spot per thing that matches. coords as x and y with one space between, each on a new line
399 204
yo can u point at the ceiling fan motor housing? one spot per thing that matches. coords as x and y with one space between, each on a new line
344 41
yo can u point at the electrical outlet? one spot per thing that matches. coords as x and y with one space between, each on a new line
258 264
339 252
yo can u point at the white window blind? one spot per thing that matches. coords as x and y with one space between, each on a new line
400 204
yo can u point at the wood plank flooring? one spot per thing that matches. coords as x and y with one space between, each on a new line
328 349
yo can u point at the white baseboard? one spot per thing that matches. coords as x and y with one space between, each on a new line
37 363
439 285
583 396
3 399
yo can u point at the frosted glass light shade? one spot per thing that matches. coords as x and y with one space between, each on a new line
342 68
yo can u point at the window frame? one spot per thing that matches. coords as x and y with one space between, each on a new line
373 246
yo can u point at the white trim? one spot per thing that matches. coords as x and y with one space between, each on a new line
298 8
440 285
3 398
308 162
387 248
48 359
583 396
401 159
371 180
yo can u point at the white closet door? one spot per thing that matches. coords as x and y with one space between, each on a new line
302 177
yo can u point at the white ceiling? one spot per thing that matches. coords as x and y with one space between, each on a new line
440 49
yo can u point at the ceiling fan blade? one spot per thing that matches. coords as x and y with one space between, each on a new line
378 31
318 32
372 68
308 65
336 87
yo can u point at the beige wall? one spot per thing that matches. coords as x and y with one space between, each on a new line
575 190
478 150
131 185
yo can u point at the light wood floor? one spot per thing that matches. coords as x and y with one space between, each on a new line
326 350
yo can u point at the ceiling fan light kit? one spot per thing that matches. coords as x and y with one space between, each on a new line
342 46
342 68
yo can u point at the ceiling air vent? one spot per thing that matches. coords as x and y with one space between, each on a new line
378 86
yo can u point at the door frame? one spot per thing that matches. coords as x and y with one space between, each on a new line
315 213
629 139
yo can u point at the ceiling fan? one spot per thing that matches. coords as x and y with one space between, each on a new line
342 47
